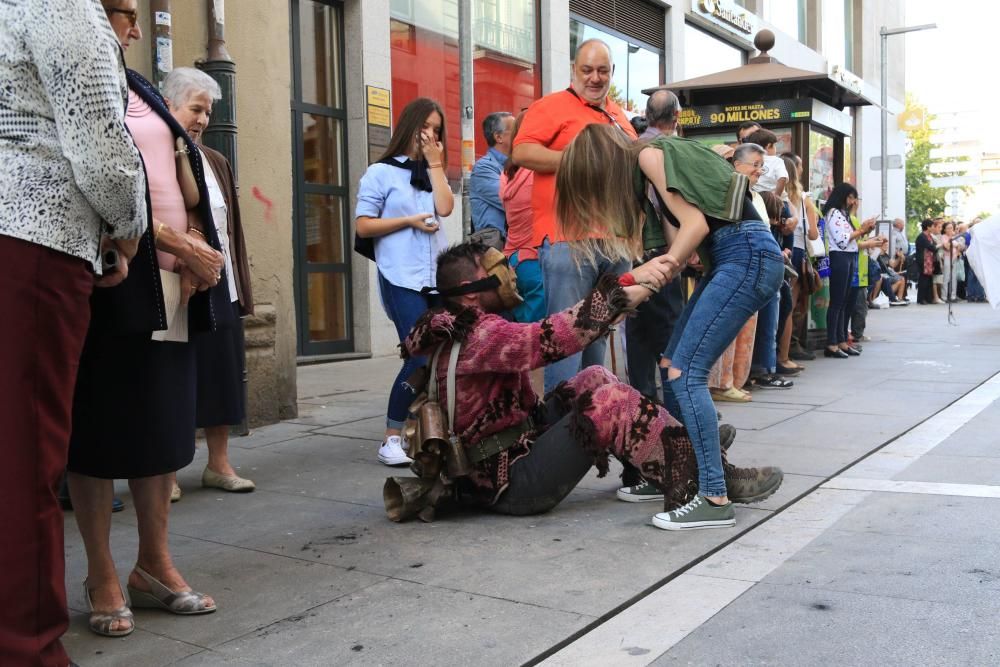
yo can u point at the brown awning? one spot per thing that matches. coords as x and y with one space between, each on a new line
747 82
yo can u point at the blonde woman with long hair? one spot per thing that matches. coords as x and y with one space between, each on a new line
804 209
601 182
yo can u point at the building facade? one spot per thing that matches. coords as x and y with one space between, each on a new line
319 84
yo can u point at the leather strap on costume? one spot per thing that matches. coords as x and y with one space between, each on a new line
496 443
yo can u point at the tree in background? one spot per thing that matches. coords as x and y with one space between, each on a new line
922 200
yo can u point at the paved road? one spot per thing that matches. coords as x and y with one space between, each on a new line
880 548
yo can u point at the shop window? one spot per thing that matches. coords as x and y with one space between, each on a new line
706 54
636 66
838 32
848 161
788 16
820 165
424 40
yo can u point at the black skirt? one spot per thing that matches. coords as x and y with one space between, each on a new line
134 407
219 361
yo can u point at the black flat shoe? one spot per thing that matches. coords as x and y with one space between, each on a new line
835 354
788 370
852 351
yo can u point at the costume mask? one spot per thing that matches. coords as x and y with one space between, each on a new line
495 264
499 277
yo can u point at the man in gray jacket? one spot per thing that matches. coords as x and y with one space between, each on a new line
72 190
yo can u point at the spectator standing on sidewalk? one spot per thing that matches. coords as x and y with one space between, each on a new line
516 184
927 248
806 227
899 244
71 184
549 126
147 432
706 201
842 240
220 357
401 199
484 182
648 332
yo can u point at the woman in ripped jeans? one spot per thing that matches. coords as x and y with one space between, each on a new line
704 205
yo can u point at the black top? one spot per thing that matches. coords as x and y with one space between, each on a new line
749 213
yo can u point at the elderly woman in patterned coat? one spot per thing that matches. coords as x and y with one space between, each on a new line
71 182
139 424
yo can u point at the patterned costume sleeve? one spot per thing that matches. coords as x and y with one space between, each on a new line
82 74
496 345
492 344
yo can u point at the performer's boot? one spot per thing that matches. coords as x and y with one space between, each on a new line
750 485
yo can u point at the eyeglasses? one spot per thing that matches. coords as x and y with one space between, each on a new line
131 14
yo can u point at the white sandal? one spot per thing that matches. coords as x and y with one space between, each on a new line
100 622
184 603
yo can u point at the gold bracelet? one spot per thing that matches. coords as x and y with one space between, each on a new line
197 231
159 228
434 166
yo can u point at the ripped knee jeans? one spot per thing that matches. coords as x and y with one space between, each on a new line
747 271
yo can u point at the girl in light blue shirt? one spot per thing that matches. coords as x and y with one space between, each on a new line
401 199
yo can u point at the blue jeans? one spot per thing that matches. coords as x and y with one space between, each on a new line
765 346
529 286
843 268
747 271
566 284
403 306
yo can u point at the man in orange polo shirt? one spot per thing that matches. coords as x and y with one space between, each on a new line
549 125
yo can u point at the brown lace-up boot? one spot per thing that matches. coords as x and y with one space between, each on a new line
751 485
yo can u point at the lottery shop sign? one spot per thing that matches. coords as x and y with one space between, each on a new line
726 115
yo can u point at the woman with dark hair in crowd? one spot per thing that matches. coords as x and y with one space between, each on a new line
401 199
139 424
842 238
926 253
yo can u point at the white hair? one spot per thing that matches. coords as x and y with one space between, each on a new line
184 82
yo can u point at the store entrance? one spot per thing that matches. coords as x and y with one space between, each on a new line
321 204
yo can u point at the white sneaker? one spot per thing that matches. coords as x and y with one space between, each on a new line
392 453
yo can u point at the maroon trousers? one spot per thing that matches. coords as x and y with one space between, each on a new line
44 314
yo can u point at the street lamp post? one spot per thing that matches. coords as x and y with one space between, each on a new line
884 33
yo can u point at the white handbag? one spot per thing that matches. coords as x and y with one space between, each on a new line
814 247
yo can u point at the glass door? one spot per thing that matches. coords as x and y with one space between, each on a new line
321 203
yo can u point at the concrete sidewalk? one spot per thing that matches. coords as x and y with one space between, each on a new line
307 570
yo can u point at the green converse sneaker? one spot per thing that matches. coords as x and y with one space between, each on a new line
699 513
645 492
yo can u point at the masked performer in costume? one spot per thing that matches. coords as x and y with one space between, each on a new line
509 451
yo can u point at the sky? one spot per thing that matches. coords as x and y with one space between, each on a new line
953 68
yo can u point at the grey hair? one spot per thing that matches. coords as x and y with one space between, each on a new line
741 154
661 108
493 124
184 82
